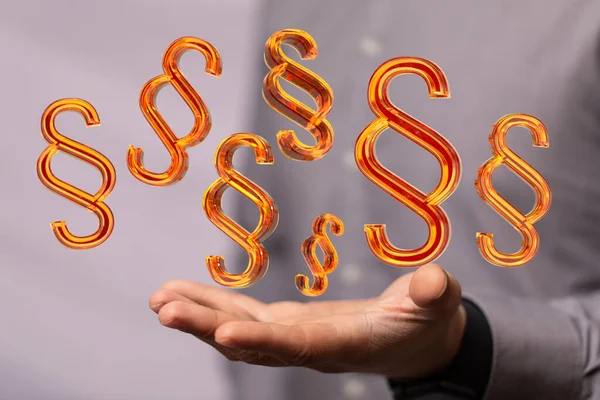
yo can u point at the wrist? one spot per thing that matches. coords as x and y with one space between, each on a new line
444 347
468 372
434 350
449 346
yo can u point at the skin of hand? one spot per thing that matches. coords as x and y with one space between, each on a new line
413 329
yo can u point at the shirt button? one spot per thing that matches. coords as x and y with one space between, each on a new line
350 274
348 161
370 47
354 389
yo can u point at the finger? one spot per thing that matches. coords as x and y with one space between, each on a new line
164 296
201 322
299 345
249 356
221 299
432 288
290 344
176 316
194 319
315 309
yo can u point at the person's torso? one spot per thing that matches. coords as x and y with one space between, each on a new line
536 57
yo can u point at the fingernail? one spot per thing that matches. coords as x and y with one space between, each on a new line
447 280
226 341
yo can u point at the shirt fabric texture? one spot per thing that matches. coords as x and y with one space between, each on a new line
538 57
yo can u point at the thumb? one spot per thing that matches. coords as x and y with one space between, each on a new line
434 289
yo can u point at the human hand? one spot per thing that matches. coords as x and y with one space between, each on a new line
413 329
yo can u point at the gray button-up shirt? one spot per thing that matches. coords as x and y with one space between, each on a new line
539 57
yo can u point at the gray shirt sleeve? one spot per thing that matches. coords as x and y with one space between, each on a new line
543 349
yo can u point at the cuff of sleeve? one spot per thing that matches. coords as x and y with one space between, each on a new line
536 350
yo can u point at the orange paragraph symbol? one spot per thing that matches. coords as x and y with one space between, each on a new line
269 215
427 206
309 251
94 203
202 122
485 189
281 66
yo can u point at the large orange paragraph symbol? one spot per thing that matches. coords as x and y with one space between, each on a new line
269 215
427 206
281 66
202 122
309 251
94 203
485 189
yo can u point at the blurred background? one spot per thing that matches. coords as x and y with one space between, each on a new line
76 324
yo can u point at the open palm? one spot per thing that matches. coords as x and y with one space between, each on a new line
412 329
